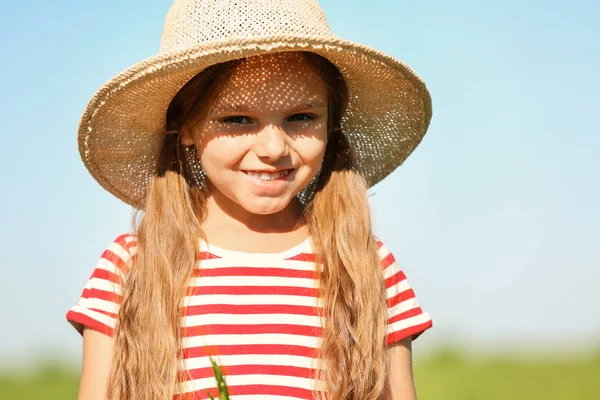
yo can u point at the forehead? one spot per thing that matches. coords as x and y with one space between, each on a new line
272 81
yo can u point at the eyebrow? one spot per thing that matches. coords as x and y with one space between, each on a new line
307 106
241 108
235 108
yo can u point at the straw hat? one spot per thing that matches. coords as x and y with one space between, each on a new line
122 128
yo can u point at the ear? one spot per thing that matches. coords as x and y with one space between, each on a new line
187 138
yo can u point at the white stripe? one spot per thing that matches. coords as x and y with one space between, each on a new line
251 319
99 304
253 359
251 299
120 251
252 281
130 238
383 252
408 322
403 306
133 250
103 284
252 263
240 380
105 319
399 287
251 339
107 265
391 270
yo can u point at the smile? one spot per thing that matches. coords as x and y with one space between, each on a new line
268 176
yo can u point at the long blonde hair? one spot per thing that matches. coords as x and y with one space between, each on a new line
147 358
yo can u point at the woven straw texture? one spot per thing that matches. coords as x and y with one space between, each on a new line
122 128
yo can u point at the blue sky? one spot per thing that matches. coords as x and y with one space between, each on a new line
494 217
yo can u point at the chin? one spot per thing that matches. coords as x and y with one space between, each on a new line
271 206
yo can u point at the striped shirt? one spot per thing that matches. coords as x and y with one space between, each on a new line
256 314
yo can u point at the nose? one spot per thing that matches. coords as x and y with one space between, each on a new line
271 142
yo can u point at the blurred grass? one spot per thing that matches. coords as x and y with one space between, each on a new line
50 382
445 376
449 376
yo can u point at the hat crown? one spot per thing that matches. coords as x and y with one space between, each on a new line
194 22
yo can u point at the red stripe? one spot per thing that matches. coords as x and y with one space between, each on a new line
94 293
220 329
273 390
251 271
235 349
251 309
407 314
387 260
414 331
205 255
116 260
281 370
246 390
395 279
127 241
400 297
89 322
197 395
308 257
129 245
245 290
106 275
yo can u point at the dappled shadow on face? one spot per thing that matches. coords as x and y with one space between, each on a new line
278 92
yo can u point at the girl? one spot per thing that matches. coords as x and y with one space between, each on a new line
249 143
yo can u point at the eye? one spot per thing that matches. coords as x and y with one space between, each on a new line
237 119
301 118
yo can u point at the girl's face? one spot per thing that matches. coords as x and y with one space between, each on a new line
264 138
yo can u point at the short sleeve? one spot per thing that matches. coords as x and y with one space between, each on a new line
405 316
99 303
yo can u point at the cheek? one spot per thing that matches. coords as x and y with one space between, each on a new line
221 152
310 150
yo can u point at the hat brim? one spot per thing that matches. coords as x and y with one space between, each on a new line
121 130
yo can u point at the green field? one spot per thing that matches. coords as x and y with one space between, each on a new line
448 377
445 376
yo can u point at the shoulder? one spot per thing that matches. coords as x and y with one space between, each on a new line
406 318
100 299
120 253
384 253
126 241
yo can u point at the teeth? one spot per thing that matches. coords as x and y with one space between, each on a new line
265 176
